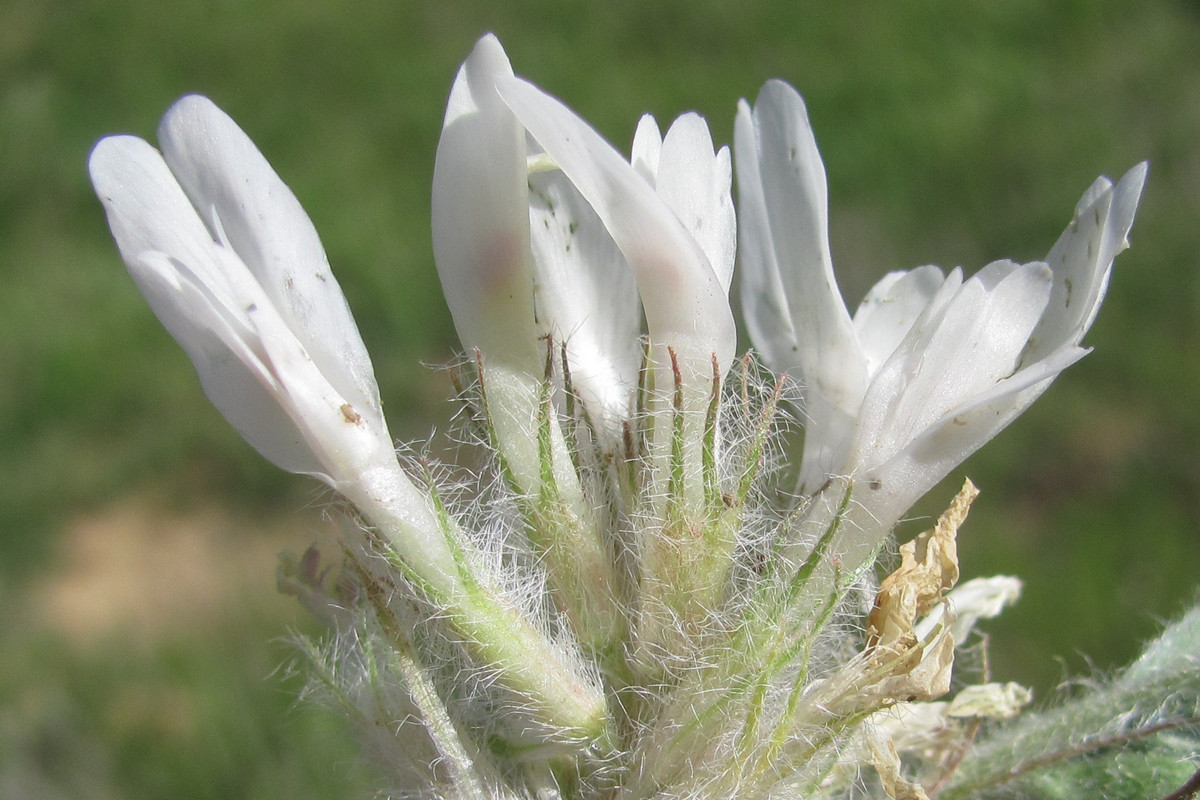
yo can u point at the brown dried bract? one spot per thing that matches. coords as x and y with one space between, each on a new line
928 569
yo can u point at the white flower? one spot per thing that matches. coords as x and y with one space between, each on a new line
930 366
586 292
480 216
675 234
234 269
560 234
520 254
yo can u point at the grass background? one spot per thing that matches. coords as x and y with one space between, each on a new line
140 647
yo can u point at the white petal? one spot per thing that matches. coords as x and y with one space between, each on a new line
877 425
928 449
957 352
765 308
1082 261
173 259
147 210
586 295
647 147
893 486
695 182
233 375
794 312
976 348
889 310
481 215
244 203
344 440
213 304
788 176
684 302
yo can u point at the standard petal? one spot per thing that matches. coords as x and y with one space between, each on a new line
794 202
1082 261
695 183
176 264
481 215
146 208
246 206
586 295
794 311
684 302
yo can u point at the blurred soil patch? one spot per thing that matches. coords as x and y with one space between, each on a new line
142 572
147 660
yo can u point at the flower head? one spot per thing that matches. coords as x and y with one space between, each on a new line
631 608
931 365
234 269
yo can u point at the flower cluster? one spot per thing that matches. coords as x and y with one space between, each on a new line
639 605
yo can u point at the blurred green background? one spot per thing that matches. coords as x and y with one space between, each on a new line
142 650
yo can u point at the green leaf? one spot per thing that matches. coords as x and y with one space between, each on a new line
1134 737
